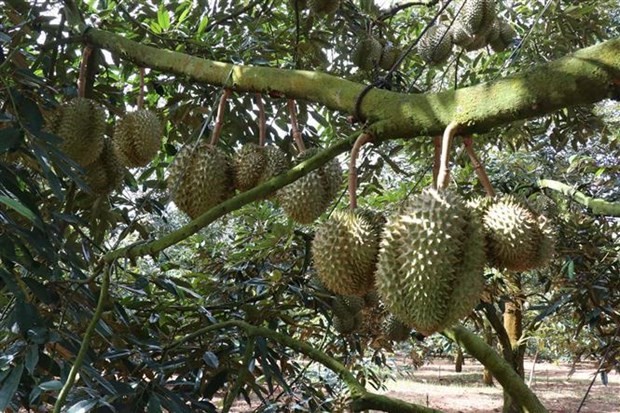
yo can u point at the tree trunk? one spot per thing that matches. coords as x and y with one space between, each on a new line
458 363
513 323
487 376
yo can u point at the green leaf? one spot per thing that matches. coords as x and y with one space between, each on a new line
163 19
202 25
19 207
9 386
10 138
82 406
52 385
154 405
32 358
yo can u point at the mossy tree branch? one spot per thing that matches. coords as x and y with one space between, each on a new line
596 205
361 399
509 379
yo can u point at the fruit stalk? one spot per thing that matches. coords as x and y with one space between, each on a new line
262 122
295 126
363 139
219 120
478 166
443 177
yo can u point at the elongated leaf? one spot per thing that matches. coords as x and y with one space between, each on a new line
19 208
82 406
9 386
9 139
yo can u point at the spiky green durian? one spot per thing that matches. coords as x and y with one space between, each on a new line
276 163
323 7
81 123
389 56
137 137
395 330
517 238
367 53
199 178
248 165
349 324
345 251
347 315
436 45
477 16
430 268
506 35
371 299
106 173
307 198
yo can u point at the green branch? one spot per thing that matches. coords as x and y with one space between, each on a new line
90 330
596 205
509 379
361 398
581 78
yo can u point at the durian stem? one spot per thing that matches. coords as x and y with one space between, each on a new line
436 158
363 139
295 126
219 120
83 77
262 122
478 166
141 91
443 177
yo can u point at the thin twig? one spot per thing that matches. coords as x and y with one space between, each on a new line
84 70
295 126
436 158
141 91
443 177
262 122
478 166
363 139
219 120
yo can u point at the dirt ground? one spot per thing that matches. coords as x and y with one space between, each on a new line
437 385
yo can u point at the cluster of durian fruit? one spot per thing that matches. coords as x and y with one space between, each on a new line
476 26
317 7
371 52
82 124
427 261
202 176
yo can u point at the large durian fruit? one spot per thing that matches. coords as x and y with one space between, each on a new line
345 249
307 198
395 330
476 25
347 314
137 137
106 173
81 123
323 7
505 36
255 164
199 178
431 261
389 55
518 239
436 45
367 53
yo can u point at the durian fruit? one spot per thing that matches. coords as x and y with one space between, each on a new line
347 315
477 16
389 56
395 330
345 251
367 53
436 45
517 238
301 4
307 198
106 173
323 7
137 137
249 163
81 123
431 261
505 37
371 299
276 163
199 178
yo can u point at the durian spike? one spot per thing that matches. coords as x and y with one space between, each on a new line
141 91
436 158
359 142
219 120
478 166
295 126
262 122
443 177
83 76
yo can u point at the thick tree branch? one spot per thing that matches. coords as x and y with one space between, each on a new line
596 205
584 77
501 370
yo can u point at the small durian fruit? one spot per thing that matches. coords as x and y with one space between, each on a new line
477 16
389 56
371 299
249 164
276 163
199 178
81 123
506 35
367 53
323 7
307 198
347 324
395 330
345 251
137 137
460 36
431 261
436 45
106 173
517 238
